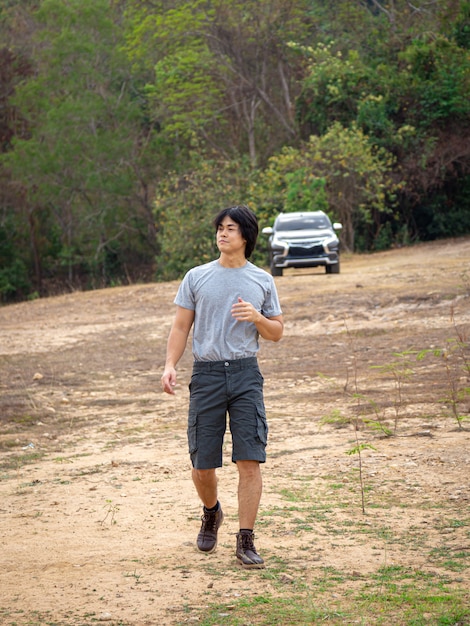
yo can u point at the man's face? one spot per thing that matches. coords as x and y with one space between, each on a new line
229 237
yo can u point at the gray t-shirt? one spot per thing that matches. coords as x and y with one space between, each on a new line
210 290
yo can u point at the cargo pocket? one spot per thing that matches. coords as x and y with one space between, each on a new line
262 425
192 432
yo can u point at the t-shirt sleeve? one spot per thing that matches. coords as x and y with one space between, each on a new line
271 305
185 296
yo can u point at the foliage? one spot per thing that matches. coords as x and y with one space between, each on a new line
460 26
80 166
340 170
437 73
357 108
223 72
456 364
13 279
185 207
410 106
332 89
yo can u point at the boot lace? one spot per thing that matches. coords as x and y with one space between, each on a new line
209 522
247 542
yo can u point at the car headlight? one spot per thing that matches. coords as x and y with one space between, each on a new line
278 244
331 244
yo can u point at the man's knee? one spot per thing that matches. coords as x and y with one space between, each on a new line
204 476
248 468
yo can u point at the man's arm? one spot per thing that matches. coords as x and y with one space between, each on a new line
177 340
270 328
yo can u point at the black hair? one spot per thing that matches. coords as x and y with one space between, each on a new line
247 222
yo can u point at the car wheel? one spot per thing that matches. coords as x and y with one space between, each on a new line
276 271
332 269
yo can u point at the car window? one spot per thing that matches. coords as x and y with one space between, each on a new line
304 223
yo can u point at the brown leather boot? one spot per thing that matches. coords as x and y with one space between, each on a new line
246 552
207 537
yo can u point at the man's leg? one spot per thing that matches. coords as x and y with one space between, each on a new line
207 423
205 482
250 486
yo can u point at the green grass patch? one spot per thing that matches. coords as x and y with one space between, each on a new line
267 610
17 461
392 595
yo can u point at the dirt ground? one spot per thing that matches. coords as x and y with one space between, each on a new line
98 514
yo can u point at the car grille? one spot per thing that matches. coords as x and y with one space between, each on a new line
304 251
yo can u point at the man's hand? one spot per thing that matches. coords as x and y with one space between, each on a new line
270 328
175 347
169 380
244 311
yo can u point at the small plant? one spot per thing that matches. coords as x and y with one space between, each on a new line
466 282
401 371
456 362
358 448
111 510
355 420
133 574
376 424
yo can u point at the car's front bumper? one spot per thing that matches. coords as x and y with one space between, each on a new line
288 261
284 255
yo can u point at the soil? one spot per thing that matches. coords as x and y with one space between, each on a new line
98 514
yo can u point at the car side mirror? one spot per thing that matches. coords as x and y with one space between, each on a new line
337 226
267 230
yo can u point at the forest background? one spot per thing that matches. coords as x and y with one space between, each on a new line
126 124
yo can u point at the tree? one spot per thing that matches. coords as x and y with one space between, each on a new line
223 71
14 242
341 164
284 104
415 106
84 168
185 207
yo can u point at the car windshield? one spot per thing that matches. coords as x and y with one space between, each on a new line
303 223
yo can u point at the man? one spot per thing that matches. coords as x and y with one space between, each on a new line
230 302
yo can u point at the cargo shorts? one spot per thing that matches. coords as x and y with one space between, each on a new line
218 388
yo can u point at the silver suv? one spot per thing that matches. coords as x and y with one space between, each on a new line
306 239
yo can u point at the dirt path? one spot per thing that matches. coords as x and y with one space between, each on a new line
98 515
